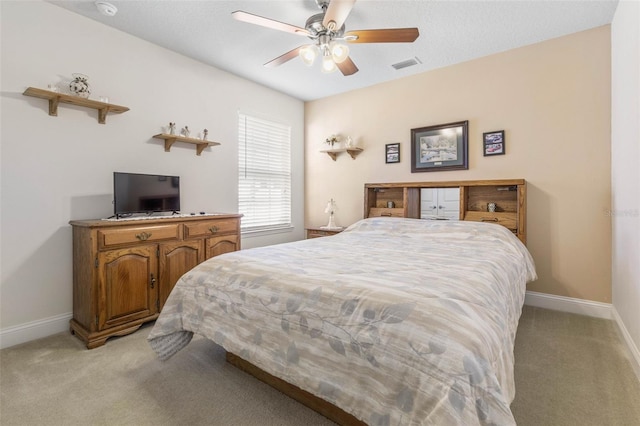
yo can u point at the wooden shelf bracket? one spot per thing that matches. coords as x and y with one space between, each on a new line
333 153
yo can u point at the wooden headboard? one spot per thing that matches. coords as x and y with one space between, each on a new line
475 197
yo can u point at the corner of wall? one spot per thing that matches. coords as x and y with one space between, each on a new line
634 352
591 309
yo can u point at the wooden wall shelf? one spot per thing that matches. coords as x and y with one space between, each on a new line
333 153
169 140
56 98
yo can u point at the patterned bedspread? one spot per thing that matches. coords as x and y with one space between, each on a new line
396 321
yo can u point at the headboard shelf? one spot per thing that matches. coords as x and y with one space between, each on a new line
403 200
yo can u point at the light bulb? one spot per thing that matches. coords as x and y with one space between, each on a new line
308 54
339 52
328 65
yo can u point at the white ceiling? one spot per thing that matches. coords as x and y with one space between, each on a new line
450 32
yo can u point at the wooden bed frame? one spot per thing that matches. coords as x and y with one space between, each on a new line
317 404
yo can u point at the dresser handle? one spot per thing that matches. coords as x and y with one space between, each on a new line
385 214
153 281
143 236
213 229
489 219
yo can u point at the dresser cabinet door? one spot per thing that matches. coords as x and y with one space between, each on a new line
220 245
127 285
175 260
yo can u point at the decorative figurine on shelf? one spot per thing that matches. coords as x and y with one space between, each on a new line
79 86
331 208
172 128
185 131
205 134
348 142
331 140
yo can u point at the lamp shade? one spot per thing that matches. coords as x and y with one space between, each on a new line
308 54
339 52
328 65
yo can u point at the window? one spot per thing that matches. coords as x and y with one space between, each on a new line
264 165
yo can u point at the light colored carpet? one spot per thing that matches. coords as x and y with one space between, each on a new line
573 370
570 370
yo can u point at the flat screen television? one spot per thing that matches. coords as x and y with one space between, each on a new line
144 193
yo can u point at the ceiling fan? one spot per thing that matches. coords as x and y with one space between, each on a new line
327 32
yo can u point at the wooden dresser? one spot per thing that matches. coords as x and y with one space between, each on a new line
124 270
508 195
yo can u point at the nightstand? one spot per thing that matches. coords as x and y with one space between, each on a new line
320 232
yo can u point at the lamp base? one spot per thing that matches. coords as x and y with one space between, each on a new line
331 224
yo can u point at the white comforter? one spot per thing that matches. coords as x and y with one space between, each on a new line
396 321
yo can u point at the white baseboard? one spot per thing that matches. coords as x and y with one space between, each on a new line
23 333
569 304
633 349
589 308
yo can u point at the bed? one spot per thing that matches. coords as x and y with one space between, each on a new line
395 321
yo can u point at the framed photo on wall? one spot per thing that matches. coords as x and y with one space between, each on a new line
493 143
392 153
439 148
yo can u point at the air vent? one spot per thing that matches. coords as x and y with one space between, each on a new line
408 63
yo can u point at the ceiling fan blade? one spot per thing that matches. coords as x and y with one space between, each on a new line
337 13
284 58
269 23
390 35
347 67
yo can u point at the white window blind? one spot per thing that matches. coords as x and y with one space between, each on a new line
264 184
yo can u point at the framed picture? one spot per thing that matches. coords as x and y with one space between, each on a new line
439 148
493 143
392 153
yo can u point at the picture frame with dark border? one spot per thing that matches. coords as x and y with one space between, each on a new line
440 148
392 152
493 143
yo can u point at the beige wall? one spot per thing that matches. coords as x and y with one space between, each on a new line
553 101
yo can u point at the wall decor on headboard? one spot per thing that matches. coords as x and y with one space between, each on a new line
439 148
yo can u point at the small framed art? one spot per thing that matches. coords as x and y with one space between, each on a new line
392 153
493 143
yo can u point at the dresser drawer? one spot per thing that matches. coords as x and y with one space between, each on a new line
506 219
385 211
209 228
115 237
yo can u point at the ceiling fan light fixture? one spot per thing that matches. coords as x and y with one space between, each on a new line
308 54
327 32
328 66
339 52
